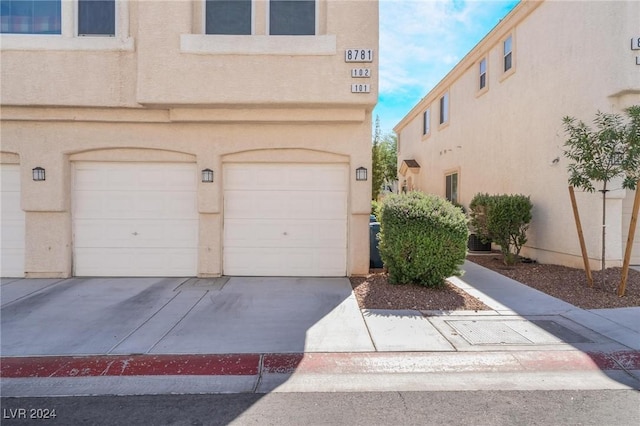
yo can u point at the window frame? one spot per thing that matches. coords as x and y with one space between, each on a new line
69 39
58 4
77 21
443 103
426 122
483 73
508 54
204 20
448 192
316 30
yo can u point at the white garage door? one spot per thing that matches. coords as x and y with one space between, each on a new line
285 219
13 219
135 219
627 207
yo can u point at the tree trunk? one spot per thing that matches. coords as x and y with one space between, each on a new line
604 234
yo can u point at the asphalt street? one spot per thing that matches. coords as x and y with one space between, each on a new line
491 408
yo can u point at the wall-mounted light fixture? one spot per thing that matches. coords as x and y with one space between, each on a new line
207 175
38 174
361 173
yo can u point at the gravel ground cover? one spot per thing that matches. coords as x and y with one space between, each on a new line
568 284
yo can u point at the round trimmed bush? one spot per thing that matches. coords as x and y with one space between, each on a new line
423 239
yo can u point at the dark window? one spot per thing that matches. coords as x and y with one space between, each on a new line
30 16
452 188
444 108
292 17
228 17
426 122
508 53
97 17
483 73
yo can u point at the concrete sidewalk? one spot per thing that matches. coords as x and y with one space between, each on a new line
278 334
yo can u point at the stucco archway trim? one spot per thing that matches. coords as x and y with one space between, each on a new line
285 155
133 155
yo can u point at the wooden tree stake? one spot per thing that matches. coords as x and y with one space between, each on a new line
583 247
632 232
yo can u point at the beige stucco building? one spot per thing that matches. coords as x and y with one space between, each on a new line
494 123
130 121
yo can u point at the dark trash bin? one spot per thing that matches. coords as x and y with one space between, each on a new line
374 254
476 244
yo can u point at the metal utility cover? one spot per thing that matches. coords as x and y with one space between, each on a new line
515 332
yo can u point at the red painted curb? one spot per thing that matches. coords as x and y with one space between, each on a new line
133 365
316 363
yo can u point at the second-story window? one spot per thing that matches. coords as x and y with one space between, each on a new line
426 122
292 17
483 74
451 190
444 108
231 17
96 17
30 16
508 54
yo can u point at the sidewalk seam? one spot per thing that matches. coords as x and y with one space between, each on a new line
260 370
33 292
177 322
373 343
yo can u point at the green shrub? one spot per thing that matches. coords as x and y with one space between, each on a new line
478 216
504 220
375 209
423 239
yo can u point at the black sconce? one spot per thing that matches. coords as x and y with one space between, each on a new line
38 174
361 173
207 175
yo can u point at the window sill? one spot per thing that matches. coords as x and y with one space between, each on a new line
46 42
322 45
507 74
482 91
426 136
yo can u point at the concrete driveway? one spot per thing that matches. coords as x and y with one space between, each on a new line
81 316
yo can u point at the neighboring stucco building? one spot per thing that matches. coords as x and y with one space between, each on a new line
494 123
131 106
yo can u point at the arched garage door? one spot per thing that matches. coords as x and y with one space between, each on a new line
135 219
285 219
13 222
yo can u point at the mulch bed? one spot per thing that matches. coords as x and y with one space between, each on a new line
569 284
375 292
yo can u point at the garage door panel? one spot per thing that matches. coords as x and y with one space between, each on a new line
283 233
285 219
285 204
134 204
136 262
12 219
286 262
148 177
268 177
135 219
134 233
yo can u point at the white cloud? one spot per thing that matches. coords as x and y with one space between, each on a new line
422 40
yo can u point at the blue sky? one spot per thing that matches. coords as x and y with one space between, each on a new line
421 41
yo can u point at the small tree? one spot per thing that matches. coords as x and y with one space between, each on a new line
599 155
384 160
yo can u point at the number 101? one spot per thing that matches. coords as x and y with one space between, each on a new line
360 88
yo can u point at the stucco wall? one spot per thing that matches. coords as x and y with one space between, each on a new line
570 58
160 90
56 145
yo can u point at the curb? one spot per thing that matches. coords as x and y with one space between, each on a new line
315 363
